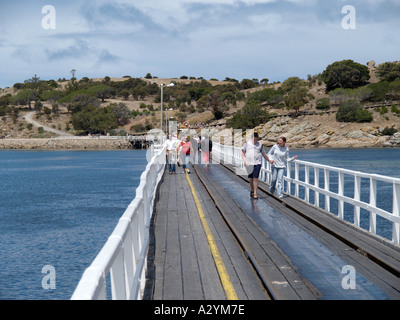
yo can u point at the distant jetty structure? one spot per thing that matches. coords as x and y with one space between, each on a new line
139 142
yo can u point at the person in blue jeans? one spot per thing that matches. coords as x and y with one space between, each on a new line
280 154
185 147
170 146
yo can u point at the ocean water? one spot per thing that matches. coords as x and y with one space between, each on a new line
57 209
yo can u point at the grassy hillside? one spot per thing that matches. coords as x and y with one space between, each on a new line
131 105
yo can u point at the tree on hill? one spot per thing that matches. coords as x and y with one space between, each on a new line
52 96
394 90
295 93
269 96
6 100
296 98
91 120
32 83
218 105
252 115
388 71
38 106
102 91
248 84
26 97
121 112
345 74
80 101
291 83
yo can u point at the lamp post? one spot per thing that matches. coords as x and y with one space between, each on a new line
166 110
162 97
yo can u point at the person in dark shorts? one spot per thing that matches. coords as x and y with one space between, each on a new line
252 153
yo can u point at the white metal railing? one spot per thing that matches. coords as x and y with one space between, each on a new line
123 258
319 184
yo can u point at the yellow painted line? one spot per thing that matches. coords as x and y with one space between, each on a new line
223 274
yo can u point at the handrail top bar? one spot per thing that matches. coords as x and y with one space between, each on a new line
87 288
342 170
351 172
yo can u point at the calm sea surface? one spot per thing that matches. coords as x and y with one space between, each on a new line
58 208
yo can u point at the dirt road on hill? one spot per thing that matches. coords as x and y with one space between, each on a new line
29 119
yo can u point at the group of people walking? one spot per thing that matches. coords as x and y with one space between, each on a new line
252 154
180 151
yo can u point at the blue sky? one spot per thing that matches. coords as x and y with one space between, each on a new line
272 39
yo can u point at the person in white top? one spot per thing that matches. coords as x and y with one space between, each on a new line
280 154
170 145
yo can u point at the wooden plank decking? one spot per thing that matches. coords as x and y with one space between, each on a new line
185 267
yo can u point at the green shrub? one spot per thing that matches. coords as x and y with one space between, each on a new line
395 110
378 91
323 104
389 131
363 116
352 111
382 110
252 115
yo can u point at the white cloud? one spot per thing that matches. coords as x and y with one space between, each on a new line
210 38
267 22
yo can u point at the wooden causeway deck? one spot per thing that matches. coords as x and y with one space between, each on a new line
184 265
259 263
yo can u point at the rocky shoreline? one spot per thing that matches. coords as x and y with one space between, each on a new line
309 135
322 131
305 135
65 144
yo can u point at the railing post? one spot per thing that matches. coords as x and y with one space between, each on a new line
316 184
117 273
396 212
357 193
288 174
296 178
372 202
136 238
307 181
326 187
263 166
143 279
140 223
238 159
103 289
341 192
129 263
